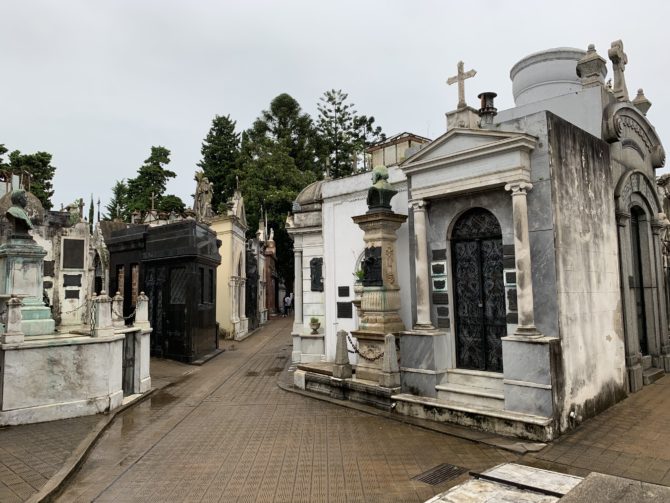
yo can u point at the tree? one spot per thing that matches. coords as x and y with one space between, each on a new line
38 166
3 151
285 124
91 214
151 181
271 181
344 135
220 151
117 208
170 203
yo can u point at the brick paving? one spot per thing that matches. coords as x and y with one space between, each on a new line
31 454
630 439
228 433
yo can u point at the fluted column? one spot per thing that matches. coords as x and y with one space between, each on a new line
297 288
524 277
423 321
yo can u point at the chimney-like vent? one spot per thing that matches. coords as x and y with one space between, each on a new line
487 111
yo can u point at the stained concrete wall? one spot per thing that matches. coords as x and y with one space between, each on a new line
587 272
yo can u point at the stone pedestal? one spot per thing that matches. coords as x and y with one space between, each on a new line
424 360
528 376
380 301
21 274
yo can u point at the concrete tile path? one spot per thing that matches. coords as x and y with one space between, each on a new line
228 433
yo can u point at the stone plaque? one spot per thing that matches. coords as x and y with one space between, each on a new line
71 294
510 278
440 254
343 291
440 298
511 299
438 268
49 266
443 311
372 267
72 280
344 310
73 253
443 323
316 272
439 284
48 284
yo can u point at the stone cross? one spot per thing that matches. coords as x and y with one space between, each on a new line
619 61
460 78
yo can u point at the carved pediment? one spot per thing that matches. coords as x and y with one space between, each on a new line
636 182
625 124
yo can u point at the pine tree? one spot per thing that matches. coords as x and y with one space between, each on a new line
117 208
38 166
151 180
220 151
91 214
344 135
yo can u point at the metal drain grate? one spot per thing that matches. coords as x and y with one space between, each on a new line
440 473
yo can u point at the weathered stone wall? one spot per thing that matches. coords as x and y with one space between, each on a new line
587 273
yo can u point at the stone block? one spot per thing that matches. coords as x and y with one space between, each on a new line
423 350
527 360
299 379
528 400
420 383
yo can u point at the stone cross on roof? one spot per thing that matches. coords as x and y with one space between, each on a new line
460 78
619 61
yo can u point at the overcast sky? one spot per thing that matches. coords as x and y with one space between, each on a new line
97 83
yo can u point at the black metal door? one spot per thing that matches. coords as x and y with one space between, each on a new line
637 284
479 291
128 364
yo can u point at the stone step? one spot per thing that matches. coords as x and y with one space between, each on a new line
477 378
646 362
502 422
470 395
651 375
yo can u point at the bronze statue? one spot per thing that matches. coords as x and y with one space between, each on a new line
16 213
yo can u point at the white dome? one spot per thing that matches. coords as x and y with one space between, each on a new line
545 75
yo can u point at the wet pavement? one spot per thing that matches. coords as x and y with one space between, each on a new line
227 432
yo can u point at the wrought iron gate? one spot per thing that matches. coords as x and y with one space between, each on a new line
480 317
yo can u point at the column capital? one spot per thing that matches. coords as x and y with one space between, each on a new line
418 204
518 188
622 218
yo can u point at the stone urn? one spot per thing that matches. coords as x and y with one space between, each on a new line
314 325
358 293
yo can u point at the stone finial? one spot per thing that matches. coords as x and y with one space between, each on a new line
342 367
619 61
592 68
460 78
390 377
103 315
117 311
641 102
13 333
142 311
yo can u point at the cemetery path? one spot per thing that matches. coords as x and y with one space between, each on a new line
226 432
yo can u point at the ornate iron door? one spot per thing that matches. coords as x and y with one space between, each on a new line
480 317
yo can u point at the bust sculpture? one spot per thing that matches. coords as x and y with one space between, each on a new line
17 215
381 192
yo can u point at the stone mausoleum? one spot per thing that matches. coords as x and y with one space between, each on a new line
530 267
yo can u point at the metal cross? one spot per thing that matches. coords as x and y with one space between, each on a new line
460 78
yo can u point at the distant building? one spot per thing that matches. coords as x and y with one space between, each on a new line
394 150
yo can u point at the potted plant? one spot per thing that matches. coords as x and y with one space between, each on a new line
314 325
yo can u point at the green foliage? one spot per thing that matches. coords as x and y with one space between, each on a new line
3 151
38 166
220 151
151 180
271 180
170 203
344 135
117 208
284 123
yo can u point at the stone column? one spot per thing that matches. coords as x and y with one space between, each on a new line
13 333
117 311
103 315
657 226
142 311
421 266
524 277
297 290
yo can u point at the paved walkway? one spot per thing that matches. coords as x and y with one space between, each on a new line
226 432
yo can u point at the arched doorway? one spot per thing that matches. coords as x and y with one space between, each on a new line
479 291
638 221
